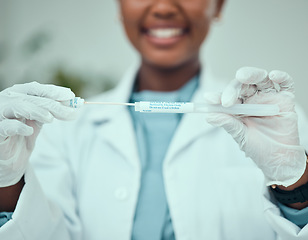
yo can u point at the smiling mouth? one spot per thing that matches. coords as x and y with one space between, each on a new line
165 33
165 36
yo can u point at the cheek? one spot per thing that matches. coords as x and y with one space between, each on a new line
199 30
132 14
200 15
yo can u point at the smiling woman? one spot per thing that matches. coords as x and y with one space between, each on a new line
168 36
114 173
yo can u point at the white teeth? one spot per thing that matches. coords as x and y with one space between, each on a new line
166 32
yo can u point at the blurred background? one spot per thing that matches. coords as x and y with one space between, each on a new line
81 44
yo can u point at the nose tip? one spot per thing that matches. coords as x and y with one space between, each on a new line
164 9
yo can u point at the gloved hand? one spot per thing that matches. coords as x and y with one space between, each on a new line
24 108
271 142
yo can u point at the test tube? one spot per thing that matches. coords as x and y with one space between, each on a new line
188 107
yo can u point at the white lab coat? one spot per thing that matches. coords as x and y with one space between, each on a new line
87 175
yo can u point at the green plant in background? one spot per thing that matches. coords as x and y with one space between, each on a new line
64 79
81 86
35 43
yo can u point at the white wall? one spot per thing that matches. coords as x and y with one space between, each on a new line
86 37
271 34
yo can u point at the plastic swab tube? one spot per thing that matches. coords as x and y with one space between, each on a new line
257 110
189 107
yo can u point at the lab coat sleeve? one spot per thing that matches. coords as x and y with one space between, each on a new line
35 217
47 207
286 229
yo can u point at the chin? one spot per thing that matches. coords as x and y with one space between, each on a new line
167 63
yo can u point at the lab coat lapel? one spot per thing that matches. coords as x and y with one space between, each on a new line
190 128
119 130
114 123
119 133
193 125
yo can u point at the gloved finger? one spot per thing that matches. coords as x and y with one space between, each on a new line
247 82
231 93
215 98
63 112
36 108
212 97
25 110
256 77
57 109
250 75
243 86
283 79
234 126
42 90
13 127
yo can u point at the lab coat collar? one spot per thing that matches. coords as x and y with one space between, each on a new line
123 90
194 125
117 126
113 124
121 93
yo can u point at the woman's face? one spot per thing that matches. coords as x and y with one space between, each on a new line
168 33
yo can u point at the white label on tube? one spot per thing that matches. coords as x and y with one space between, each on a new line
165 107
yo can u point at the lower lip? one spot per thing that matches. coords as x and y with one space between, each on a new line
164 42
